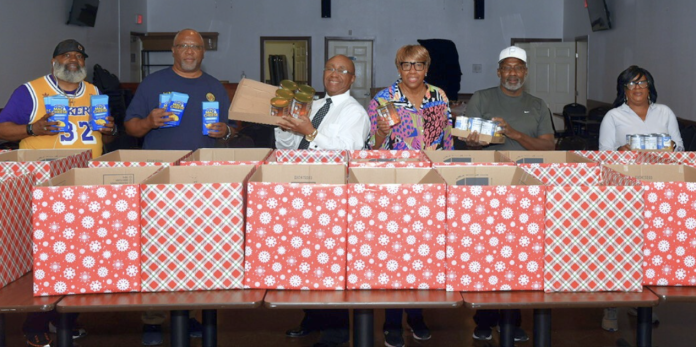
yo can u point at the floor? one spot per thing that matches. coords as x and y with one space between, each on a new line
265 328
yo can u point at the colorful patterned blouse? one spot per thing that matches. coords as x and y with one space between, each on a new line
430 127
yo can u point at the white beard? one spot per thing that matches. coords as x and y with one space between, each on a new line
62 73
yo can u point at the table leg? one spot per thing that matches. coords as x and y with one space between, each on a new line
363 331
644 329
2 330
179 328
542 327
209 328
64 330
507 329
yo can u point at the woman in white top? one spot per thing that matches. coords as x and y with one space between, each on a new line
636 112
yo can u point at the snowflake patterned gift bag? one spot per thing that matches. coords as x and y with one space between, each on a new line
628 157
15 228
594 236
467 158
86 231
670 222
193 228
388 159
396 229
226 156
42 163
140 157
495 235
296 227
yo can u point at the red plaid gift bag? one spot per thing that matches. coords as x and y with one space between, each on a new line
42 163
309 156
15 228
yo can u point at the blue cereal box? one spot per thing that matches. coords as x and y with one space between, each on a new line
58 105
100 111
211 115
177 105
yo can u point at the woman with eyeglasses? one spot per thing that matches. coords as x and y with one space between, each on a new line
423 109
636 112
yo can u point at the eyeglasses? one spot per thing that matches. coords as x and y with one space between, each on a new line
418 65
342 72
517 68
640 84
185 46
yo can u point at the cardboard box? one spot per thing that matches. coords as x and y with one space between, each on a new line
15 228
495 229
308 156
594 236
42 163
139 157
684 158
482 137
388 159
557 167
226 156
396 229
296 227
623 157
457 158
86 231
193 228
670 226
252 102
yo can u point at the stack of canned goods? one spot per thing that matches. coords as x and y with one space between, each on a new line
480 125
649 141
292 99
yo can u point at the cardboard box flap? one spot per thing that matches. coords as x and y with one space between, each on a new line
488 176
394 176
201 174
465 156
301 173
25 155
657 173
230 154
252 102
101 176
143 156
542 157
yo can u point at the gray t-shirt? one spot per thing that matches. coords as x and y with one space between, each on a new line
526 114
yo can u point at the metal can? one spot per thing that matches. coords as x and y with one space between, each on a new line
301 105
289 85
475 124
650 141
279 106
658 141
666 140
636 142
498 130
462 123
389 112
488 127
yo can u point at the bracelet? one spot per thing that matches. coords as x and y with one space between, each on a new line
30 130
229 133
114 132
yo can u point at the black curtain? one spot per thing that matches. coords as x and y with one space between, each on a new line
444 71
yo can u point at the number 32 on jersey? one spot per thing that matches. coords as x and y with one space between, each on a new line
81 132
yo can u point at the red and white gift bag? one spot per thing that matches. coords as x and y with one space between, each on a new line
42 163
140 158
193 233
388 159
296 232
565 174
626 157
309 156
467 158
226 156
15 228
396 231
594 237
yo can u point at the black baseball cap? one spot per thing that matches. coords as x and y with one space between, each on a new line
69 45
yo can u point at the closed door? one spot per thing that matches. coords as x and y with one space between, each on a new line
360 52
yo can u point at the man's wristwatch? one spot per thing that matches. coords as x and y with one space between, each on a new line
30 130
114 132
311 136
229 133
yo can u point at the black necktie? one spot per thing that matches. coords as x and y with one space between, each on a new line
304 144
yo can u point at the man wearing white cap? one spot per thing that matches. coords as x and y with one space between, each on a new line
525 119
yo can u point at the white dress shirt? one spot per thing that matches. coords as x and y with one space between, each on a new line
620 121
345 127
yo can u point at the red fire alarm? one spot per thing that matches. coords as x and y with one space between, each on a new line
139 19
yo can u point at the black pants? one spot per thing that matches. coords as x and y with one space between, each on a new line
333 324
489 318
394 316
37 322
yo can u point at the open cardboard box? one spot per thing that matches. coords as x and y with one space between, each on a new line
306 156
193 228
445 158
252 102
485 139
388 158
139 157
226 156
42 164
544 157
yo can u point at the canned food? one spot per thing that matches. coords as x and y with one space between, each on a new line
279 106
658 141
650 142
301 105
388 111
475 124
289 85
637 142
498 130
462 123
285 93
666 140
488 127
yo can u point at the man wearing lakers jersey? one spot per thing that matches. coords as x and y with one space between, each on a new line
24 118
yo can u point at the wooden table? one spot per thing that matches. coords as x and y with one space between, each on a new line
542 303
178 303
18 297
363 303
674 294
